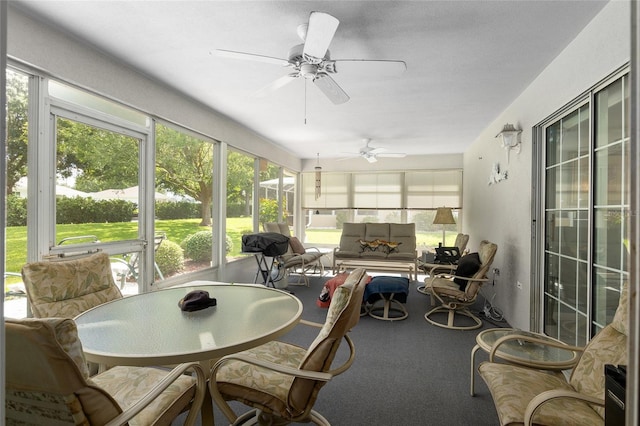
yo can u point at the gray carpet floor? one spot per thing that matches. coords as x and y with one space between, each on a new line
406 372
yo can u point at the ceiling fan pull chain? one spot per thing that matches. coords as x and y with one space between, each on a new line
305 101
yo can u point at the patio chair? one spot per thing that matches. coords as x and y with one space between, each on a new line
298 259
128 266
432 269
446 291
66 288
47 382
281 381
529 396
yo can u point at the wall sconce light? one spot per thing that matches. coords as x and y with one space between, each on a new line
510 139
444 216
318 187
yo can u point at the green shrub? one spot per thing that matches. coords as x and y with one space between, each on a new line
16 210
269 210
177 210
88 210
169 258
198 246
228 244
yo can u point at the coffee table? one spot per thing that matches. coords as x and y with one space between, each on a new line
523 348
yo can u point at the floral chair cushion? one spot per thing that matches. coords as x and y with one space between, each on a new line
67 288
513 387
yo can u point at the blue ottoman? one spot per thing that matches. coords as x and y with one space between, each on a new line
385 298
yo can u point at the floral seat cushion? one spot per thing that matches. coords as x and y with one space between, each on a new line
513 387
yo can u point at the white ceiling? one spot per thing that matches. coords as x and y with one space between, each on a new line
466 61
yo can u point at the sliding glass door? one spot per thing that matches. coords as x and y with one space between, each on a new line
585 205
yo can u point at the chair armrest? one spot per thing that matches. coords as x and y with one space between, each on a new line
449 276
550 395
279 368
310 323
531 339
201 383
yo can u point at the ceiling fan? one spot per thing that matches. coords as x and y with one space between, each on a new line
311 60
371 154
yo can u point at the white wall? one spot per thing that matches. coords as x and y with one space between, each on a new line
502 212
45 48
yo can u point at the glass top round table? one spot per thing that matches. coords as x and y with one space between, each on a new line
150 328
524 350
527 353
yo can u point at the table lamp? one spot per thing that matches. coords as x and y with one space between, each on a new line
444 216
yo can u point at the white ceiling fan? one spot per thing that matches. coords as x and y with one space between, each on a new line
312 60
372 154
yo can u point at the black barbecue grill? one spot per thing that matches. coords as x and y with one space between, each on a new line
267 247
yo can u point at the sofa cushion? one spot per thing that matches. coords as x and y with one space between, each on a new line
376 231
351 233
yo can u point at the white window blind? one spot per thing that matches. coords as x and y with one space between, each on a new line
335 191
384 190
432 189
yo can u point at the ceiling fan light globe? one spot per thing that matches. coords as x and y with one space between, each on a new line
308 71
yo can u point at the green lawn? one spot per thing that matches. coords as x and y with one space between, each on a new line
176 230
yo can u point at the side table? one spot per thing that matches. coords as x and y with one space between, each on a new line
524 348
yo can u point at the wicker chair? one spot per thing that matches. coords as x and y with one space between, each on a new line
281 381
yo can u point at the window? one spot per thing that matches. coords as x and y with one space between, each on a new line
401 197
585 206
17 187
183 201
240 178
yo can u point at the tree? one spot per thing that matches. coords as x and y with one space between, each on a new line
239 180
99 159
17 127
184 166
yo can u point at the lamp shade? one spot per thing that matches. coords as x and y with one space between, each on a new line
444 216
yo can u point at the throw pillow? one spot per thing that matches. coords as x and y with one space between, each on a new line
296 245
324 300
391 246
468 265
369 245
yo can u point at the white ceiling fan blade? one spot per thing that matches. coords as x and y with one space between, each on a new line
392 155
330 88
275 85
371 158
251 57
381 68
377 150
322 27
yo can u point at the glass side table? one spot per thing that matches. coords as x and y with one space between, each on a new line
523 348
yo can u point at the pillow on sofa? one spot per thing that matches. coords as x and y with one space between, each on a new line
296 245
468 265
369 245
